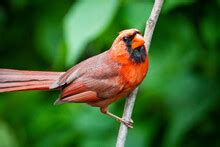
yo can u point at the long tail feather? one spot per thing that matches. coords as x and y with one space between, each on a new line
16 80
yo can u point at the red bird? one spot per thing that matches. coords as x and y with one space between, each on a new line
97 81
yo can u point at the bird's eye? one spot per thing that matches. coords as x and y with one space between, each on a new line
125 39
138 32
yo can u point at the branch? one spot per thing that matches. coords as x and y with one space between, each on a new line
129 104
151 22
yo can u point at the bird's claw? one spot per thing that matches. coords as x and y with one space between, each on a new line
128 123
131 120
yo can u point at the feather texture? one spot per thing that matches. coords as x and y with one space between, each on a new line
16 80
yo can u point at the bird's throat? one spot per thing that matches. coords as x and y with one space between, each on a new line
138 55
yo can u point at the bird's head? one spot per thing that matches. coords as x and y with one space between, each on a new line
129 44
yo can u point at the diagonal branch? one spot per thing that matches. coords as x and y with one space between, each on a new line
129 104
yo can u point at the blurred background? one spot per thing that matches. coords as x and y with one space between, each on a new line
177 104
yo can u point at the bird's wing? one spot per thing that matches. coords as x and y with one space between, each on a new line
66 78
91 80
77 71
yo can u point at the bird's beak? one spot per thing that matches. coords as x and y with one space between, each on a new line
137 41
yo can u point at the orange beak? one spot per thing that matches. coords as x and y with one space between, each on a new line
137 41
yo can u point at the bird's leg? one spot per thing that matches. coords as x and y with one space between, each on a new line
125 122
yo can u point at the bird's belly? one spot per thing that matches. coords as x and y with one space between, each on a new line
107 101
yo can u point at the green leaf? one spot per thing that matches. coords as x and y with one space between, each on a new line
85 21
7 136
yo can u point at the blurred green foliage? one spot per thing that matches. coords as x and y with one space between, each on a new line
177 104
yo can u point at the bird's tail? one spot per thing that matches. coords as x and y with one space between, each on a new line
16 80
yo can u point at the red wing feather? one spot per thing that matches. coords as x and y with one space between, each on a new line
73 88
84 97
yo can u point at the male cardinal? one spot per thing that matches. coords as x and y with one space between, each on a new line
97 81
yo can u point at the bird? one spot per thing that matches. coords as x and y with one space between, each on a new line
97 81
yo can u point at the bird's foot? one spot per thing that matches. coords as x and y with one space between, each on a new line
128 123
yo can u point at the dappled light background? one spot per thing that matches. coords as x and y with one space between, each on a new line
177 104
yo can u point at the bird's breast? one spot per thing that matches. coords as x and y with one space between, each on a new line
133 74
